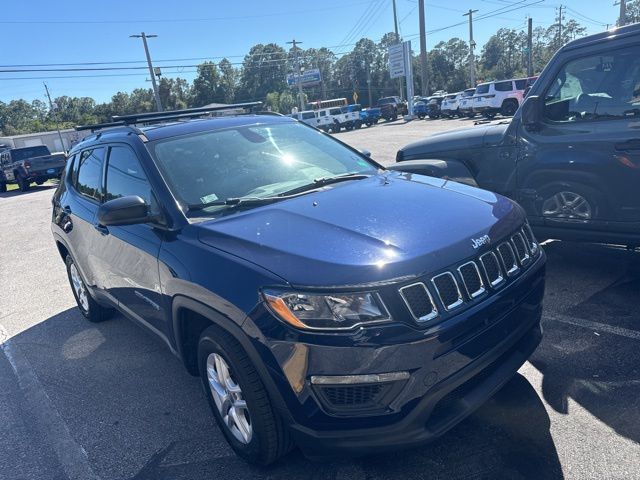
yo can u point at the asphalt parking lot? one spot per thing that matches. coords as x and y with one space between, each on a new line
109 401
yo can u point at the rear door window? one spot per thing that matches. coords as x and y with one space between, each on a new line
89 177
521 84
480 89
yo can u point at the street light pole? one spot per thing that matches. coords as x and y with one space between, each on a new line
299 82
55 116
156 93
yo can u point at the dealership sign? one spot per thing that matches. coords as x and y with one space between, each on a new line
307 79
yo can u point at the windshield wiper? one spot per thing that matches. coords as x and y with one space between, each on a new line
322 181
235 202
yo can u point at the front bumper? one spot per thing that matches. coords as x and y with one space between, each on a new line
453 367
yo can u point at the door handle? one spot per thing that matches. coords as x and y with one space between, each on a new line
102 229
628 145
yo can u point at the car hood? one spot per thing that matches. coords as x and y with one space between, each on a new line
389 226
460 139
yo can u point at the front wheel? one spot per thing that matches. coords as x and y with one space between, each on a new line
509 108
239 400
3 187
571 202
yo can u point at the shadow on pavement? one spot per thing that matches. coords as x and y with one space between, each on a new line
32 189
130 404
596 363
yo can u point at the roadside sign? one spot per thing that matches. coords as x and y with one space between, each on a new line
355 97
308 79
396 60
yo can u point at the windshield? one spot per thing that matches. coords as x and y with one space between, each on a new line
384 101
30 152
484 88
255 161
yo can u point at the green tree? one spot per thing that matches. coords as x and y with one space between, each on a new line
272 101
286 102
205 88
228 81
174 93
264 70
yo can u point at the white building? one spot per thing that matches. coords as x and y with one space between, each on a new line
51 139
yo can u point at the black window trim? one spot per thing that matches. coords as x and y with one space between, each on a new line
575 56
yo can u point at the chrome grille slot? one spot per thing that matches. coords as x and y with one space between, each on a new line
492 269
534 248
448 291
521 250
508 257
419 301
471 279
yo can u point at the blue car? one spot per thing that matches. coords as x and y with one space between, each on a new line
324 301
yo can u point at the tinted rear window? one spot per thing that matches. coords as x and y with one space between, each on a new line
504 86
30 152
90 173
484 88
521 84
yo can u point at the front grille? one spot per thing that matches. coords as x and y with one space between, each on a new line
419 301
471 279
476 277
448 290
521 248
491 267
509 261
531 239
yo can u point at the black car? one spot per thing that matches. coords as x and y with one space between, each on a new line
571 154
324 301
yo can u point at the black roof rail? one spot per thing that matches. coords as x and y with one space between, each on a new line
141 117
153 117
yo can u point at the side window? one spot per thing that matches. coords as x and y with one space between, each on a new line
521 84
598 87
89 176
125 175
504 86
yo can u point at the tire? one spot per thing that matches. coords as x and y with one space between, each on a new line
509 108
92 310
40 182
571 201
3 187
23 183
357 125
266 438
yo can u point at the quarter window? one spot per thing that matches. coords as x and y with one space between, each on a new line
597 87
125 175
89 176
521 84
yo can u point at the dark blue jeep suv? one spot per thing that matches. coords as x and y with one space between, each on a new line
324 301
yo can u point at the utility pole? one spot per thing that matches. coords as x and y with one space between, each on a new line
55 115
156 93
530 47
472 46
560 26
395 28
622 21
299 82
423 51
369 85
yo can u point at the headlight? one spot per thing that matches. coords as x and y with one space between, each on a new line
326 312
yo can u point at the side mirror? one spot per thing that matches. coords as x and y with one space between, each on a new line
365 152
532 112
123 211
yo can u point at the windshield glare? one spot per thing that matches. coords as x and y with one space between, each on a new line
253 161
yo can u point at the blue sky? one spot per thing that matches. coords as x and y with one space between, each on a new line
70 31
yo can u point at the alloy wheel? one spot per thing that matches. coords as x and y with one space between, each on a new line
567 205
228 398
79 288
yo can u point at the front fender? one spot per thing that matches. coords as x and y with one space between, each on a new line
447 169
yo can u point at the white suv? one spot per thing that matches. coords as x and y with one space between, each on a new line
465 104
450 104
334 119
502 97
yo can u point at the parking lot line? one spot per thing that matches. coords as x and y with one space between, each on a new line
601 327
71 456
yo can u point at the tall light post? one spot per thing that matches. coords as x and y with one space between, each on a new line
294 42
156 93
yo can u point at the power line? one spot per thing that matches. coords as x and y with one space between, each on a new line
172 20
